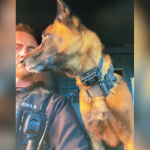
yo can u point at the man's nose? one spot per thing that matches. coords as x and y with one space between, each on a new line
23 52
22 55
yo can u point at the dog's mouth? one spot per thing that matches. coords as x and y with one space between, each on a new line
42 66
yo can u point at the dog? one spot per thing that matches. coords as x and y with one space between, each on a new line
70 47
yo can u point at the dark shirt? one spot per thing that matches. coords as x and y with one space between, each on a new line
65 132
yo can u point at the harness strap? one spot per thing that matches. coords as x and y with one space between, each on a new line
94 91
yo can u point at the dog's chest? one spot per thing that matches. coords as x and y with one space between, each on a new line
97 120
94 114
98 125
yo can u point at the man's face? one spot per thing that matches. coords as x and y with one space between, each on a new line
24 44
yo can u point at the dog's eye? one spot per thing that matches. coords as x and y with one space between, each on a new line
44 38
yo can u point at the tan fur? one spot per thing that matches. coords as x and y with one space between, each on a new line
119 100
109 119
98 113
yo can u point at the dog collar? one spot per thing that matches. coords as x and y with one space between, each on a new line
102 87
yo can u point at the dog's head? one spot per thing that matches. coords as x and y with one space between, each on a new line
67 45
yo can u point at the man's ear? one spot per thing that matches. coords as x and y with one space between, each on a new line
65 14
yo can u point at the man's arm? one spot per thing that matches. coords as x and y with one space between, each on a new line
66 132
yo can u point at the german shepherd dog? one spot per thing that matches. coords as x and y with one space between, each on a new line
68 46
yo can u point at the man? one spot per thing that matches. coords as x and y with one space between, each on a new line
64 130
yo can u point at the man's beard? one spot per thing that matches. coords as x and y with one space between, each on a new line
22 76
22 73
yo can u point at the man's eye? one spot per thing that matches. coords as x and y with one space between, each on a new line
18 48
29 50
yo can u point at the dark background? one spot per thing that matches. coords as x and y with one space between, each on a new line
112 20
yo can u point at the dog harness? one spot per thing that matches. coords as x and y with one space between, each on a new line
101 87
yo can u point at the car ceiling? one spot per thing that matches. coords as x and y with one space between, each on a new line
112 20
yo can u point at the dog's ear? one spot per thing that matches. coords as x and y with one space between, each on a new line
65 14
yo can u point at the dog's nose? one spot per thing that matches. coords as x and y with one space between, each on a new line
22 60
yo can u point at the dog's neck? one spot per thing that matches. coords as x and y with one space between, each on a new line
87 55
104 71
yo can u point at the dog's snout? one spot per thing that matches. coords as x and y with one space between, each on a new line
22 60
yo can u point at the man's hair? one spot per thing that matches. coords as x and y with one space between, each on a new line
25 28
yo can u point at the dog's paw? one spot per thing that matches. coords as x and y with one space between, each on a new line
97 145
101 147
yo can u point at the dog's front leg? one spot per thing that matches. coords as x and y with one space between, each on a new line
97 145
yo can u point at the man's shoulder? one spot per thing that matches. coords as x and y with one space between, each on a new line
56 104
43 92
55 97
43 96
58 98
